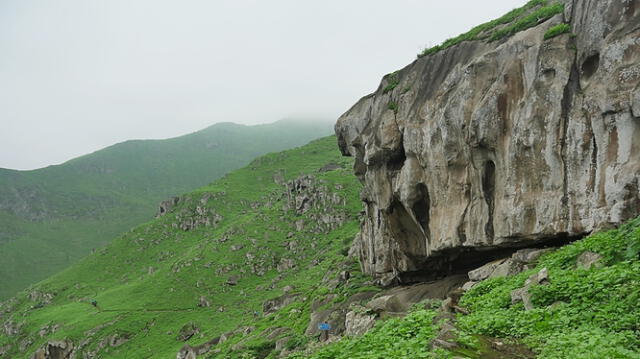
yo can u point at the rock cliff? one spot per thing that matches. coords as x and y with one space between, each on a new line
489 145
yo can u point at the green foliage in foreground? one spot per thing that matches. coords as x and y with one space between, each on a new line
52 217
514 21
582 313
557 30
392 339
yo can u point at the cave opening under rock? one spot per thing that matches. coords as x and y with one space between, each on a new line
458 261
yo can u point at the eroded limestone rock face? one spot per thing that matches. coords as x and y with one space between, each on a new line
499 144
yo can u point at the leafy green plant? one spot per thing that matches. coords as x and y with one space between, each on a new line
393 82
395 338
393 106
528 21
557 30
581 313
516 20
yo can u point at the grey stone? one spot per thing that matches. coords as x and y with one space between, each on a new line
281 343
187 331
468 285
530 255
275 304
523 295
485 271
358 322
500 144
334 317
507 268
589 259
55 349
233 280
635 103
203 302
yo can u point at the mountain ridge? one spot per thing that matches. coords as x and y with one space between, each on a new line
122 183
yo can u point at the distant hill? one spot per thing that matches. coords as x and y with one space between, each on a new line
282 223
51 217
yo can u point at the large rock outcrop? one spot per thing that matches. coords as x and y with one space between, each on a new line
487 145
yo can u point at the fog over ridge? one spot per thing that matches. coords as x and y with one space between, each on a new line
78 75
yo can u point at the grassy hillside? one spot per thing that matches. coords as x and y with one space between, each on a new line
240 266
51 217
516 20
227 247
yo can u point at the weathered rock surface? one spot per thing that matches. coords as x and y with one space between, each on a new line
275 304
55 349
358 322
588 259
523 295
400 299
500 144
187 331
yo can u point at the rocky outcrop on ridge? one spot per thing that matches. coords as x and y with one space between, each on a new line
509 143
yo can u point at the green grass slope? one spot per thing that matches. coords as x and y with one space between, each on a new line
516 20
248 227
51 217
581 314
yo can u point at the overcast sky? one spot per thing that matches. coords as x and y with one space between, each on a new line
79 75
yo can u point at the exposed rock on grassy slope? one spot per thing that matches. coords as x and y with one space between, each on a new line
473 151
211 261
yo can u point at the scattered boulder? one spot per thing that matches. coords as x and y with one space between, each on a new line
233 280
334 317
589 259
118 339
507 268
187 331
275 304
285 264
519 261
530 255
446 338
485 271
55 349
192 352
11 328
468 285
523 295
400 299
358 321
204 302
332 166
166 206
281 344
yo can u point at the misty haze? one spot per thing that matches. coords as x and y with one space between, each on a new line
319 180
